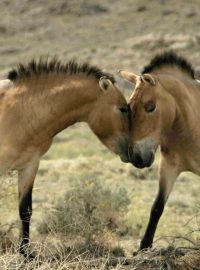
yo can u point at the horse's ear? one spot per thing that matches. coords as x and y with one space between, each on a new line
149 78
104 83
129 76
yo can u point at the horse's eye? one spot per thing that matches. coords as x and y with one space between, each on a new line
124 110
150 107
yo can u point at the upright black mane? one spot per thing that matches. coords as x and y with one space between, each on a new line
45 66
169 58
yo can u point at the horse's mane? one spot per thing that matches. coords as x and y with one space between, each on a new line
45 66
169 59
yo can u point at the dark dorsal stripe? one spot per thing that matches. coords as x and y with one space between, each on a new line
45 66
170 59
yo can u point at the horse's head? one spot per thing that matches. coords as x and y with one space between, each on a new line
110 118
152 116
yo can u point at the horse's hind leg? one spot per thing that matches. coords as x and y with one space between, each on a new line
26 179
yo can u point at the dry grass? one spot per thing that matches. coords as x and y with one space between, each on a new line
57 260
55 253
60 174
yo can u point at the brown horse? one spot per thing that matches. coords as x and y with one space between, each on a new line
40 99
165 112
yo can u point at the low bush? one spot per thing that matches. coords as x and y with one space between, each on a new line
90 209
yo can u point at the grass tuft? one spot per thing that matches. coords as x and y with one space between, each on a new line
90 212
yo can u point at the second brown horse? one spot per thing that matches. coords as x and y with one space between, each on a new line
165 112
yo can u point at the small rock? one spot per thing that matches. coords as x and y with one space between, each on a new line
190 14
93 50
167 12
9 50
141 8
3 29
179 45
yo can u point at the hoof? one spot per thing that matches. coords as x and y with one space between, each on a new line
135 253
145 245
28 255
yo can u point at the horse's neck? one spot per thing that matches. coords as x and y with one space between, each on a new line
186 95
56 104
184 138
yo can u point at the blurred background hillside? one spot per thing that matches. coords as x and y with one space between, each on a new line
114 35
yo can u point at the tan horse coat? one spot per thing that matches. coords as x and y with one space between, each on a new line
41 100
166 113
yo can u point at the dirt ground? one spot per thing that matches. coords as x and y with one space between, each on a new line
114 35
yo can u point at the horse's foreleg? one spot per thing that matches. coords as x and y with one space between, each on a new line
26 179
156 212
168 175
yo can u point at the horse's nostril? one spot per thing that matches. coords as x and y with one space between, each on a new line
137 160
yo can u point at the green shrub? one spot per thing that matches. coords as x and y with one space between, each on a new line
88 209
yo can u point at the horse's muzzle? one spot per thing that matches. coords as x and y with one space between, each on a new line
141 159
123 143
